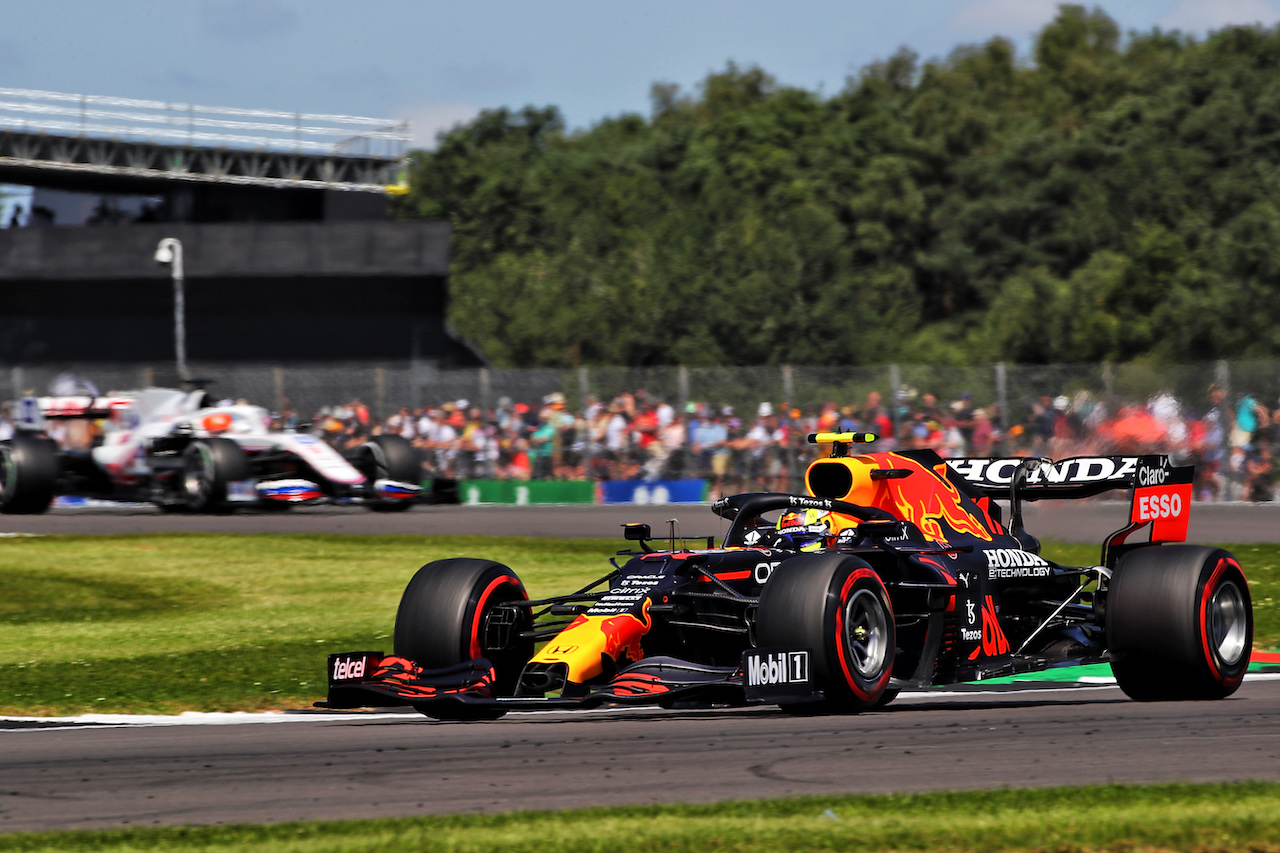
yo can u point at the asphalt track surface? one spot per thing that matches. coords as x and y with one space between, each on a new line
1069 521
72 774
84 776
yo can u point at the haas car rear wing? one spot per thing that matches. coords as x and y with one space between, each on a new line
1161 491
31 414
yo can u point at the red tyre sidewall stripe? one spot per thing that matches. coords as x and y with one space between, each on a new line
479 612
1206 594
841 651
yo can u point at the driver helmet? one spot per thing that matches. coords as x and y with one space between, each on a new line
216 423
806 530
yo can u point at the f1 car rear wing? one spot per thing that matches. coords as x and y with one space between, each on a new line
32 414
1162 492
1077 477
78 406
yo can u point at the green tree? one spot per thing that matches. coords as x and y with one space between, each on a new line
1106 197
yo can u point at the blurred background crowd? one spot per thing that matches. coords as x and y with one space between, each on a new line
742 441
637 435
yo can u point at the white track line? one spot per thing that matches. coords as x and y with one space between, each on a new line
237 718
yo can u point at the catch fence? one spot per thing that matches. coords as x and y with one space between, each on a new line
1012 390
1101 407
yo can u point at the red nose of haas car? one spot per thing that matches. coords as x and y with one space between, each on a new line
895 570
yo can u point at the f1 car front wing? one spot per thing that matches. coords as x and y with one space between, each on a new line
370 679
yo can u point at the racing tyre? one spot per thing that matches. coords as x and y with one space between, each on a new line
837 606
389 457
450 613
887 697
28 474
208 466
1179 623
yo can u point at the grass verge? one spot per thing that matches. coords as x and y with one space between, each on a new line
166 623
1191 818
162 623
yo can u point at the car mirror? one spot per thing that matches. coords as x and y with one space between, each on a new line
636 532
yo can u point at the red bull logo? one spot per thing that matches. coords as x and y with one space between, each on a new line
586 638
623 634
926 498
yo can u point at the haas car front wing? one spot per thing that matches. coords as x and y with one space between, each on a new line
370 679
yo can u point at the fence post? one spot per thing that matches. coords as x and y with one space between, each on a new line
380 392
682 383
148 377
895 385
277 377
1108 379
425 376
788 385
1226 417
1002 395
485 389
589 447
1222 375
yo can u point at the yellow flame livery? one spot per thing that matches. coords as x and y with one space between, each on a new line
925 496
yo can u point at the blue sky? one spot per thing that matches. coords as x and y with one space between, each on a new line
437 63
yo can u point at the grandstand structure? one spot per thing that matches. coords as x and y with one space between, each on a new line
291 255
52 135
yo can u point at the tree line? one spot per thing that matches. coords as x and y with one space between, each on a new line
1108 198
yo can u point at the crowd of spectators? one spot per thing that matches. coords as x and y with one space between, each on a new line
636 435
1230 438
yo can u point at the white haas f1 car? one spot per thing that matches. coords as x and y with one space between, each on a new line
894 571
172 448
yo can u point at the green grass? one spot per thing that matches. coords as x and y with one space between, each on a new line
164 623
1191 818
173 622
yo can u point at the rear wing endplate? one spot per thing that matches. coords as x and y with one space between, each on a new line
27 416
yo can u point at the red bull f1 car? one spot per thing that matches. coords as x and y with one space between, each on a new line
895 570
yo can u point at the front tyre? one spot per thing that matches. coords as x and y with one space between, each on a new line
837 606
1179 623
209 466
388 457
28 474
452 612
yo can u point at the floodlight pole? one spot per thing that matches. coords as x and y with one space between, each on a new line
170 252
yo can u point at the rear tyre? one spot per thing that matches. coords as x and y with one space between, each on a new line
837 606
208 467
451 613
1179 623
887 697
389 457
28 474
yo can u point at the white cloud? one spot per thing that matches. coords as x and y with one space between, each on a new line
426 120
1017 20
1198 17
